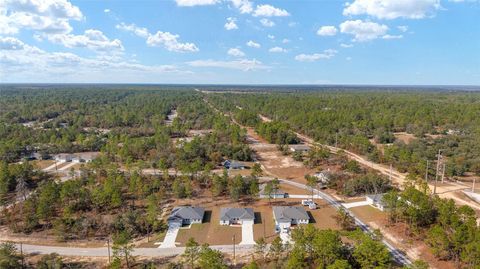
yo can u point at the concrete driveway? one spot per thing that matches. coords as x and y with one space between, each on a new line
171 236
285 236
355 204
247 233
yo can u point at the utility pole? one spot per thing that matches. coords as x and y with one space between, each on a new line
390 176
426 173
436 174
108 249
473 186
443 172
264 230
234 260
336 140
21 255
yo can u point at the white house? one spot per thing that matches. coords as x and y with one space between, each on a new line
64 157
185 215
286 216
233 215
299 148
376 200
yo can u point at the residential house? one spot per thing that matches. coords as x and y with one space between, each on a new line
376 200
186 215
286 216
299 148
64 157
234 165
233 215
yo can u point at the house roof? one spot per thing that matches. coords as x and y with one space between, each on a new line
377 198
300 147
289 213
186 212
233 163
228 213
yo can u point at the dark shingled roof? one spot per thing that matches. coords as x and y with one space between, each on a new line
228 213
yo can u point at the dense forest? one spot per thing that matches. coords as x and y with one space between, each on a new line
112 194
150 155
357 120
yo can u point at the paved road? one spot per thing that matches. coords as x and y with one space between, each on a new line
103 252
398 256
447 192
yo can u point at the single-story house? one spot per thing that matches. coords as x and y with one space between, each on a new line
185 215
286 216
37 156
299 148
233 215
234 165
88 156
76 159
376 200
64 157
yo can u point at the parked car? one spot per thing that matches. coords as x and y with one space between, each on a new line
310 203
307 202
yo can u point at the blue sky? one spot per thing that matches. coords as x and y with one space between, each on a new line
241 41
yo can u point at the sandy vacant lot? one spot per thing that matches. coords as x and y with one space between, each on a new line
404 137
274 161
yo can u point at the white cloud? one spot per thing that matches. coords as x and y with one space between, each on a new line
277 49
10 43
243 64
47 16
392 36
272 37
192 3
107 10
24 62
363 31
285 41
269 11
139 31
392 9
343 45
402 28
170 42
253 44
235 52
230 24
326 54
244 6
267 23
161 39
91 39
327 31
